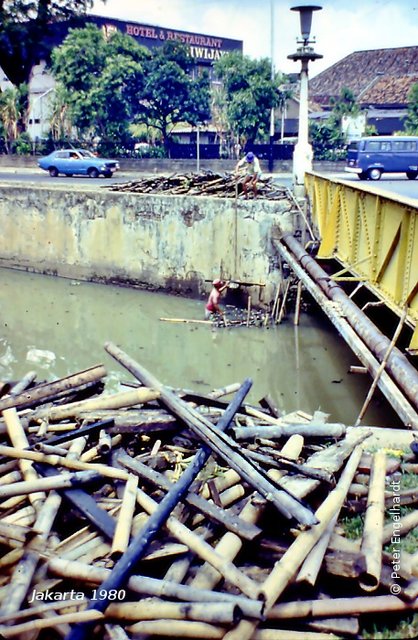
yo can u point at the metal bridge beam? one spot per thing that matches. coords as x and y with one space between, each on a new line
374 235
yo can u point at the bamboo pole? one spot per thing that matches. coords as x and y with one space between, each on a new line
105 442
372 541
115 401
47 623
292 559
42 391
405 524
186 320
124 523
298 301
19 440
339 607
248 311
152 586
283 305
382 366
62 481
23 573
308 430
311 566
212 612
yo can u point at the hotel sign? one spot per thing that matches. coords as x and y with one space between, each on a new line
202 48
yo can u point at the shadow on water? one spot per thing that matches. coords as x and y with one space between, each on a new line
301 367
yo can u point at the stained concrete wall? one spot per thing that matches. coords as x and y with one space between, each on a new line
153 241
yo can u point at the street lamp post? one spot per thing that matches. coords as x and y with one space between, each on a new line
302 156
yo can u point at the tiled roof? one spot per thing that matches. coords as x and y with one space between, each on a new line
381 76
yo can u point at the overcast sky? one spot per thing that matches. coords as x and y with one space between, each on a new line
341 27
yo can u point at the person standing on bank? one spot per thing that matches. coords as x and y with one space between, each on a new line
212 306
251 166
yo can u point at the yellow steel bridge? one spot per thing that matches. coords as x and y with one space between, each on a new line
374 235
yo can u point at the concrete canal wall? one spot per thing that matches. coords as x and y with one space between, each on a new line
173 243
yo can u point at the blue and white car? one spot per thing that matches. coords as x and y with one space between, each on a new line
77 162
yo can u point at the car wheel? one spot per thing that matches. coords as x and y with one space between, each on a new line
411 175
108 174
53 172
93 173
362 175
374 174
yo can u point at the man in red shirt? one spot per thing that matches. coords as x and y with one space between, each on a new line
212 305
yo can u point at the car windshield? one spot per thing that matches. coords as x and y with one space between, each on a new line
86 154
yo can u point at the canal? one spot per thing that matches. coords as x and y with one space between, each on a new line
304 367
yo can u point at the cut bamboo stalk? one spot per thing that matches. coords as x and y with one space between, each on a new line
308 430
339 606
62 481
55 461
94 452
115 401
39 393
404 525
105 442
371 545
153 586
19 440
212 612
293 558
311 566
47 623
9 478
23 573
124 523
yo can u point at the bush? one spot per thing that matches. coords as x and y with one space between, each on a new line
23 145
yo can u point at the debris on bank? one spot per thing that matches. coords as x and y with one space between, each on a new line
167 513
205 183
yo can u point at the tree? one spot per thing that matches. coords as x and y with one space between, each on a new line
26 29
170 95
101 87
327 137
411 122
250 94
12 107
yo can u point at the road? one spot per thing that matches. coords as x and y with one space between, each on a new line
398 185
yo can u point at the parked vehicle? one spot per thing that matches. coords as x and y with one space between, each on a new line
370 157
77 162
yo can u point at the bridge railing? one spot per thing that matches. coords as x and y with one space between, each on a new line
374 235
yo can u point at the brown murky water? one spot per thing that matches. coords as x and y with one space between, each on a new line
301 368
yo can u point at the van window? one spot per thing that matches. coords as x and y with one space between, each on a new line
404 145
353 146
377 145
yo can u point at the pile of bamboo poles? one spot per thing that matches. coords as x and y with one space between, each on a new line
158 512
205 183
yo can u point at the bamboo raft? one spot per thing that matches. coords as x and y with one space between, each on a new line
158 512
204 183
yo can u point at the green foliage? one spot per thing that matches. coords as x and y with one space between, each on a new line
13 103
25 28
411 122
23 145
169 95
249 94
328 141
100 82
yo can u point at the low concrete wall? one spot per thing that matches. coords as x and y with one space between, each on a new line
161 242
166 165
